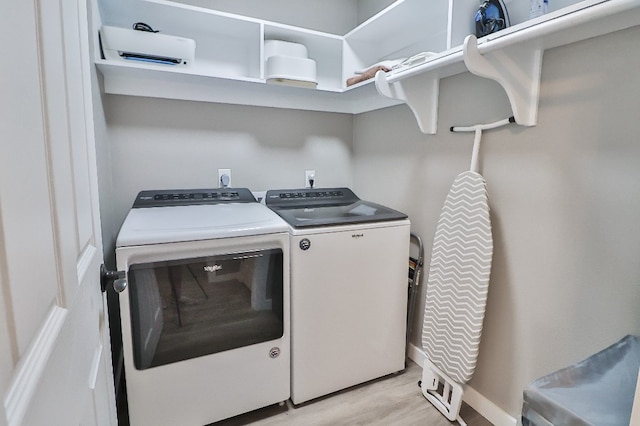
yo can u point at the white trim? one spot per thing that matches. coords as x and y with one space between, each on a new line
5 317
30 369
416 354
488 409
472 397
95 367
450 25
85 261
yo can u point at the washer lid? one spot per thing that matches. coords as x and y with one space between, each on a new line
303 208
158 225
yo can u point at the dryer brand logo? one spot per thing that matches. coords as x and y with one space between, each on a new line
212 268
356 236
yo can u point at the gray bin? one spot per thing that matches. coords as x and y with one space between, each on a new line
597 391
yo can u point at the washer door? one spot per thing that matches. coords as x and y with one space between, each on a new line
348 307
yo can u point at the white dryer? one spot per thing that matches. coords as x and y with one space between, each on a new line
205 313
349 286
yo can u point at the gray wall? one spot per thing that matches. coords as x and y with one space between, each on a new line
168 144
331 16
565 199
368 8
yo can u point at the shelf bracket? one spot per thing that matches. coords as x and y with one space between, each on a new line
516 69
420 93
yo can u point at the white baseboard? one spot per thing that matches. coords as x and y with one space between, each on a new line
472 397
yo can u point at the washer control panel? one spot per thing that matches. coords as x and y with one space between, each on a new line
308 197
312 194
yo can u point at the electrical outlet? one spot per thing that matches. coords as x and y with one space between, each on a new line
309 178
224 178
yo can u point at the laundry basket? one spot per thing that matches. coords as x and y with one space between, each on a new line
596 391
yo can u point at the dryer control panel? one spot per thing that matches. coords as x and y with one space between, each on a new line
188 197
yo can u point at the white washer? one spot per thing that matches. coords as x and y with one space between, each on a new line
205 314
349 286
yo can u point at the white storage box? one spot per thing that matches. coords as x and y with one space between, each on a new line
127 44
288 63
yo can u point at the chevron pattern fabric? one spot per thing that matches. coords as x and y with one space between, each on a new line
458 279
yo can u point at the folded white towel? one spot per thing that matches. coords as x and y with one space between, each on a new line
412 61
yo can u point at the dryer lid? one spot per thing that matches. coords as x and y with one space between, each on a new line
203 220
187 197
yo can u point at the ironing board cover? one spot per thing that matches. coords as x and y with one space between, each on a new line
459 278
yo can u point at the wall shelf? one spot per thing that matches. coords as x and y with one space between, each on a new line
230 68
158 83
512 57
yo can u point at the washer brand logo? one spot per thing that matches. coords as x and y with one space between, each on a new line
356 236
212 268
305 244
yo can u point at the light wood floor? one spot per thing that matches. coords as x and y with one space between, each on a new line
393 400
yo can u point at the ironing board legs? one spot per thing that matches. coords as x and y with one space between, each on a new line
444 393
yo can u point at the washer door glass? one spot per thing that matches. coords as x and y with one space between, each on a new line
194 307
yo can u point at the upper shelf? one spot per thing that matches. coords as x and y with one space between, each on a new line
135 80
230 67
512 57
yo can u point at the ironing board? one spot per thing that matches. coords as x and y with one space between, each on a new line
459 279
457 286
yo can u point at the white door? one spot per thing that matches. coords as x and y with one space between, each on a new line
55 362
